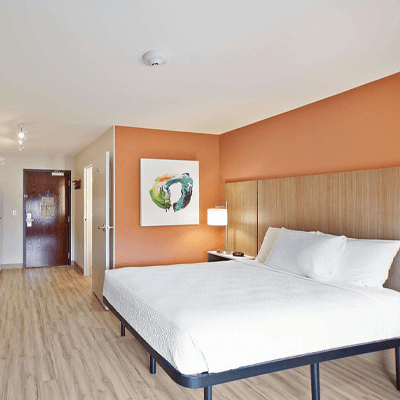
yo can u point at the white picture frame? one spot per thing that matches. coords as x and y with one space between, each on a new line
169 192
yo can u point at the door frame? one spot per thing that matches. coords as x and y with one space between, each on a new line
87 270
68 172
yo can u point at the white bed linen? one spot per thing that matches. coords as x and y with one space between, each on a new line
219 316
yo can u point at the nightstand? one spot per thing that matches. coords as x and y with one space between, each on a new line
214 256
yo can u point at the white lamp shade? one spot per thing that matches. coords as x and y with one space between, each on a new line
217 216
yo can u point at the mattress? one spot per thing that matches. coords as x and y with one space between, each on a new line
213 317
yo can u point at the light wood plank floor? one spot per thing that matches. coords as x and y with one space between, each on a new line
57 342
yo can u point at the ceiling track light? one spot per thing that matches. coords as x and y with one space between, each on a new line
21 136
21 131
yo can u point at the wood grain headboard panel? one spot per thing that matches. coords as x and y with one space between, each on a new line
361 204
242 216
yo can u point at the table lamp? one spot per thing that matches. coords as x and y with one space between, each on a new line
218 216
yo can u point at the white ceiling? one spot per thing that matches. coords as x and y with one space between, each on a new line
71 69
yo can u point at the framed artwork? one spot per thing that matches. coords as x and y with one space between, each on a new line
169 192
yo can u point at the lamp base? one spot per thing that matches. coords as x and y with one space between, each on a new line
225 252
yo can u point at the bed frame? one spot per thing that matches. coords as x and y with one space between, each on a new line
207 380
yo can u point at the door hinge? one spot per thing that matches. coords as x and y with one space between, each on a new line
69 219
69 182
68 256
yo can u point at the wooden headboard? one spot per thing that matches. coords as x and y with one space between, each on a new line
242 216
361 204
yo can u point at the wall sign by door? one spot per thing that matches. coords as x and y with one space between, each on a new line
47 207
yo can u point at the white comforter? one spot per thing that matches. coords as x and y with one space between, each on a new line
212 317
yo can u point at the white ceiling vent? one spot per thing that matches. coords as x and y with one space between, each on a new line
154 58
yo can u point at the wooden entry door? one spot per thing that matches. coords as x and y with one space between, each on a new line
46 218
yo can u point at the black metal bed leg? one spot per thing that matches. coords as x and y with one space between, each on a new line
208 393
122 329
397 354
315 387
152 365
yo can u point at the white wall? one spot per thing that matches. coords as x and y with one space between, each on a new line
11 185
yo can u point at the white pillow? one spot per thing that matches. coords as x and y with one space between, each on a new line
267 244
306 254
366 262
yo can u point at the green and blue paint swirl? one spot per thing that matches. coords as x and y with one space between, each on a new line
161 195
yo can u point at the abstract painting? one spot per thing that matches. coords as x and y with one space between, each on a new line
169 192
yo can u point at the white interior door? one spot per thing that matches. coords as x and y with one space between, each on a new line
100 222
88 221
1 225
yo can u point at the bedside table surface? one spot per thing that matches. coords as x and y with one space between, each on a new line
230 256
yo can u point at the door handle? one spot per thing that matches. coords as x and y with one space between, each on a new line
29 219
104 228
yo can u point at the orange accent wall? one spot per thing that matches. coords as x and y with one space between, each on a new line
354 130
357 129
136 245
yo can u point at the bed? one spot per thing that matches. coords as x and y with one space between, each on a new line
190 317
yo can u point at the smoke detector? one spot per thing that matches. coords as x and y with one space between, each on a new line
155 58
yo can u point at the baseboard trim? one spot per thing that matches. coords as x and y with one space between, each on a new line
11 266
78 268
